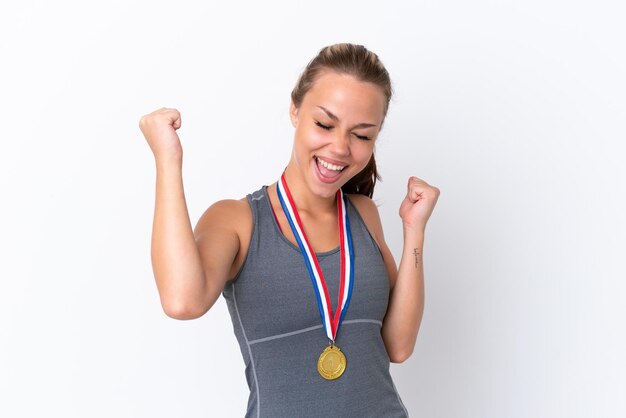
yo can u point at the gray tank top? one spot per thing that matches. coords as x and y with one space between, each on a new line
276 320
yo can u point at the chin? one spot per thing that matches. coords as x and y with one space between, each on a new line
324 190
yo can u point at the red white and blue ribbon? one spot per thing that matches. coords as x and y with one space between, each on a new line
330 322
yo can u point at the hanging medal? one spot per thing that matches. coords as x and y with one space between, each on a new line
332 361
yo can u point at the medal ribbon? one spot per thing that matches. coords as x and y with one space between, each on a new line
331 323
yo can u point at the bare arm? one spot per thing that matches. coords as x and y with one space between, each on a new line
406 289
176 261
406 298
186 288
406 301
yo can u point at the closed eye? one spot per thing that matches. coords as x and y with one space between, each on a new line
328 128
323 126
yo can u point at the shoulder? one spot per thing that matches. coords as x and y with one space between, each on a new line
227 211
363 202
223 233
369 213
228 215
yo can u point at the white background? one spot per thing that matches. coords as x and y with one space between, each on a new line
515 110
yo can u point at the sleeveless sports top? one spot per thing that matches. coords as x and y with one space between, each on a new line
276 321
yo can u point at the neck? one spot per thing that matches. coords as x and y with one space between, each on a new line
304 199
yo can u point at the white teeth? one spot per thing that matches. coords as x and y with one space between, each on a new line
330 166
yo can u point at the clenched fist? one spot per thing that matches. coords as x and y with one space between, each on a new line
418 204
159 128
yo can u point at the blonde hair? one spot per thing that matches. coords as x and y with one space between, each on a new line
357 61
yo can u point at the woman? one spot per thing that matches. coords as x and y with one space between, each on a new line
318 306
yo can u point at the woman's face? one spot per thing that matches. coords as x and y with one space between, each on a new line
336 127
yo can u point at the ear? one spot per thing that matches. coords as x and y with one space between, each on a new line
293 114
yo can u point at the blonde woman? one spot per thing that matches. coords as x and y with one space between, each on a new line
318 305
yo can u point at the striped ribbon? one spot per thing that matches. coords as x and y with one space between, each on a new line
330 322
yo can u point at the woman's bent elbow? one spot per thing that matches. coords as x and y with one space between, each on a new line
400 357
183 311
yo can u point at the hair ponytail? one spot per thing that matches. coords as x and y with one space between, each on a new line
364 181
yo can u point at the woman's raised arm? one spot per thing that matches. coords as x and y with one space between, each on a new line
187 285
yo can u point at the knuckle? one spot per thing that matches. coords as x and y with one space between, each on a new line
144 121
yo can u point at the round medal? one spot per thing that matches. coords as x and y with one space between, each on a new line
332 363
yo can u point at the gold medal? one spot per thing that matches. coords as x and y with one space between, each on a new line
332 363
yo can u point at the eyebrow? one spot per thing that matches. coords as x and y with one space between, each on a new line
335 118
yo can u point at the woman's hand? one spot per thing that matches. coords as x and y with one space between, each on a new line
418 204
159 128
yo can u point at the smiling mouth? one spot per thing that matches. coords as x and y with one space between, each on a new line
329 166
328 172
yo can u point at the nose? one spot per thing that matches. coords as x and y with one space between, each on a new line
341 144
